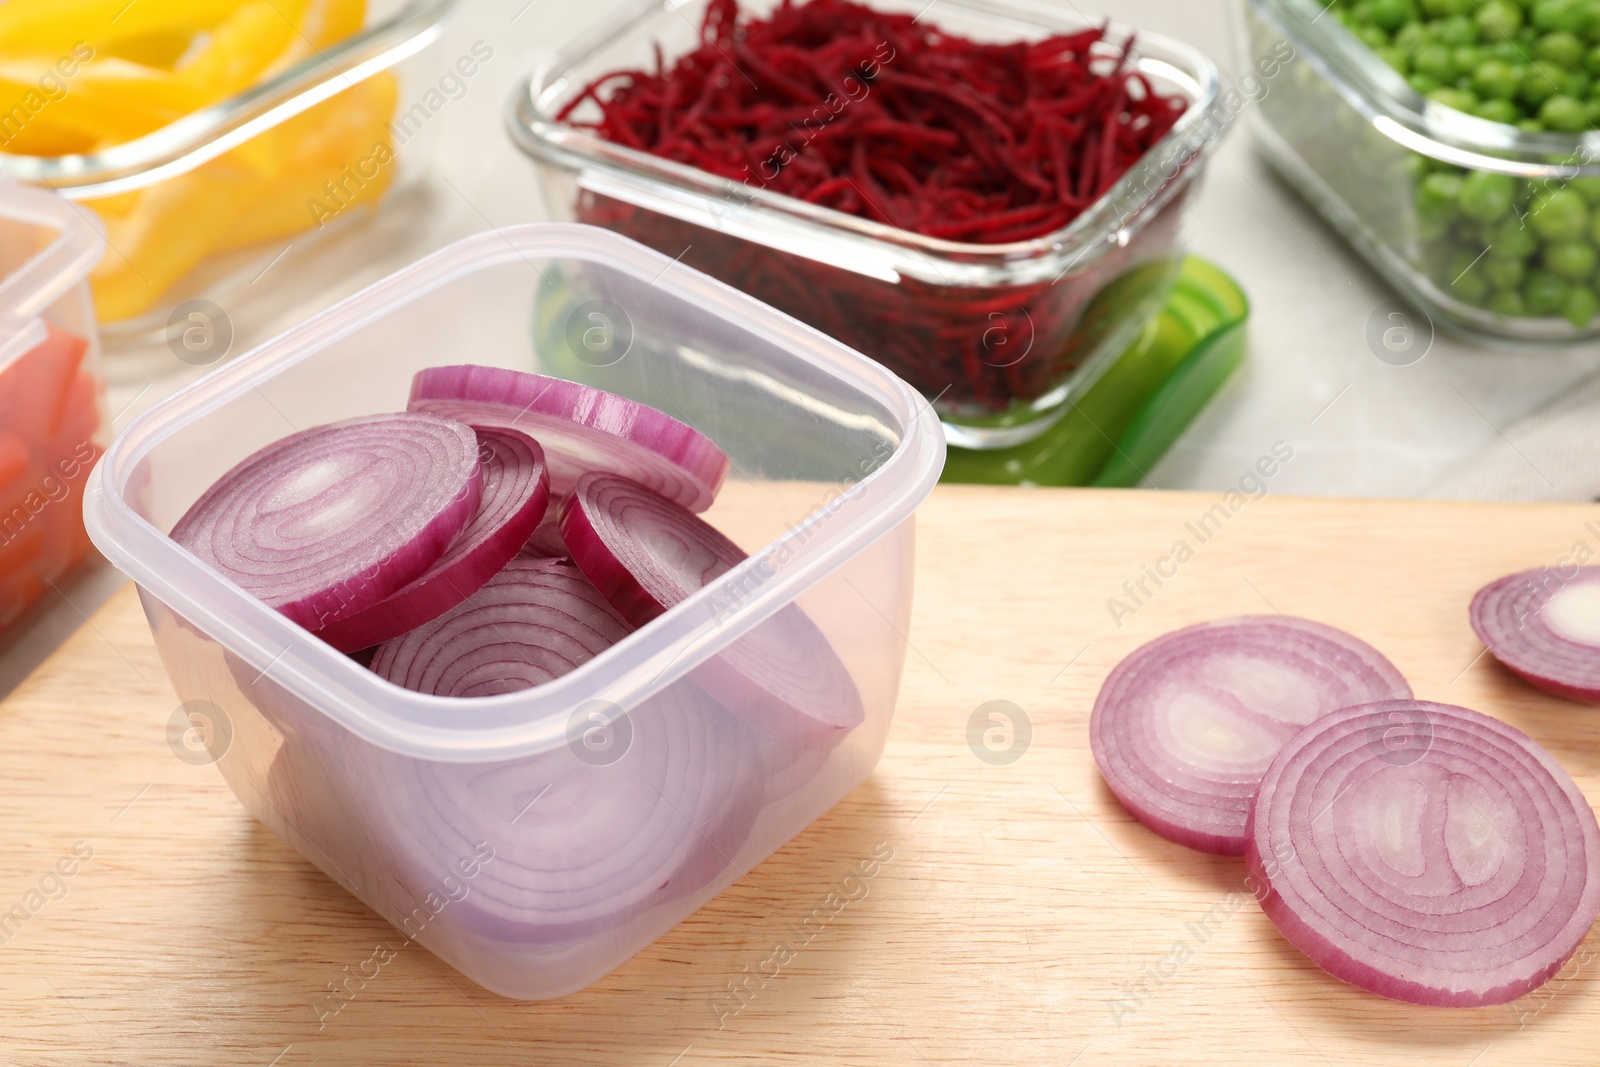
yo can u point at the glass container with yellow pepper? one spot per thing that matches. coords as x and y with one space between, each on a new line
210 136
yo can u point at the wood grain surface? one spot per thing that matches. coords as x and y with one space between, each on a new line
1023 918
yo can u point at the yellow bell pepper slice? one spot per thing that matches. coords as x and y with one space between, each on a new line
104 101
158 235
52 27
160 49
326 22
243 47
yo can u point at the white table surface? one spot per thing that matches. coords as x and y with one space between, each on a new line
1358 426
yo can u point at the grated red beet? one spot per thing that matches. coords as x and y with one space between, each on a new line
886 117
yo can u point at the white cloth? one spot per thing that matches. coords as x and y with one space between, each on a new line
1552 455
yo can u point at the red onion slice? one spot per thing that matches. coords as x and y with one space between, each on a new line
581 428
545 542
516 493
1426 853
1185 726
327 522
535 620
1545 628
581 848
646 554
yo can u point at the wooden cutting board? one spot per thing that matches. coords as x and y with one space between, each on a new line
1023 918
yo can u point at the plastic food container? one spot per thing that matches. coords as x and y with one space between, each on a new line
997 336
1454 211
438 813
52 422
198 209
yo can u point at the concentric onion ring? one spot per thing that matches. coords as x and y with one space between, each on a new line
1425 852
326 522
1185 726
581 429
579 849
1545 627
516 493
647 554
535 620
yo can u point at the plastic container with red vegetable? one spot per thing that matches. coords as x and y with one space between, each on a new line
866 202
52 424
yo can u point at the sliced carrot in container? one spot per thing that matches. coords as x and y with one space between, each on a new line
77 417
33 387
15 462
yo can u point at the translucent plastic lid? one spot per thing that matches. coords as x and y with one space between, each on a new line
47 246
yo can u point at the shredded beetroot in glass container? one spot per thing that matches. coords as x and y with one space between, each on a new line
883 116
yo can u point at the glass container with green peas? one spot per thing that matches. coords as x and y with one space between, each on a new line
1455 143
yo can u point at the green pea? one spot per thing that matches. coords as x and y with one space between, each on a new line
1507 50
1465 279
1513 238
1486 196
1398 58
1577 84
1435 9
1508 302
1591 108
1542 80
1435 61
1495 79
1580 306
1570 259
1362 10
1503 272
1564 113
1392 14
1530 125
1587 187
1437 195
1372 37
1423 83
1526 36
1457 30
1558 215
1544 292
1560 47
1460 99
1549 15
1591 20
1498 111
1466 57
1411 36
1498 20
